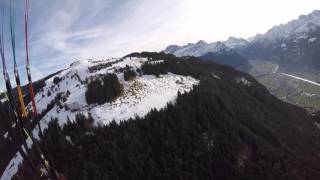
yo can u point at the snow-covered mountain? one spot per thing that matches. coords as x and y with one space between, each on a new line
217 52
139 95
294 45
201 47
198 49
138 98
234 42
294 29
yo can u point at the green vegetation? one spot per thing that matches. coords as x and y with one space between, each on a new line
56 80
102 89
102 65
291 90
129 73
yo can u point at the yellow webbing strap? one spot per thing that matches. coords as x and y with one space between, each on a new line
46 163
21 102
25 131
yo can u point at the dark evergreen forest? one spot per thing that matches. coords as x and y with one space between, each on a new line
102 89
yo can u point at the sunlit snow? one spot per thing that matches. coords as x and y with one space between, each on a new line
140 95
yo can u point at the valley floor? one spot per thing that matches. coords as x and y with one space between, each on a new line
301 89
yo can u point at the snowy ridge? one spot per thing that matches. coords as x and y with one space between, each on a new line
199 49
138 98
234 43
304 24
144 93
297 29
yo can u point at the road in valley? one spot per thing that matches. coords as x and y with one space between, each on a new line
302 79
275 71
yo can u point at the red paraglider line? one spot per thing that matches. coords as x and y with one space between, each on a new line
26 18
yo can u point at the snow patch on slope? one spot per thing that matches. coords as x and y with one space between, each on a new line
142 95
311 40
12 167
243 81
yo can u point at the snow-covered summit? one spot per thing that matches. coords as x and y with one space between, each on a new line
202 42
304 24
63 96
234 42
139 96
219 52
198 49
294 29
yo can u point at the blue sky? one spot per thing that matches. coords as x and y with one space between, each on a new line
63 31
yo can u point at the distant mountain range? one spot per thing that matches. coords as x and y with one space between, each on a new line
217 52
292 48
199 49
295 45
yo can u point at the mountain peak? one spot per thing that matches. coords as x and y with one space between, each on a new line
202 42
315 13
198 49
304 24
171 48
220 46
234 42
294 45
232 38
